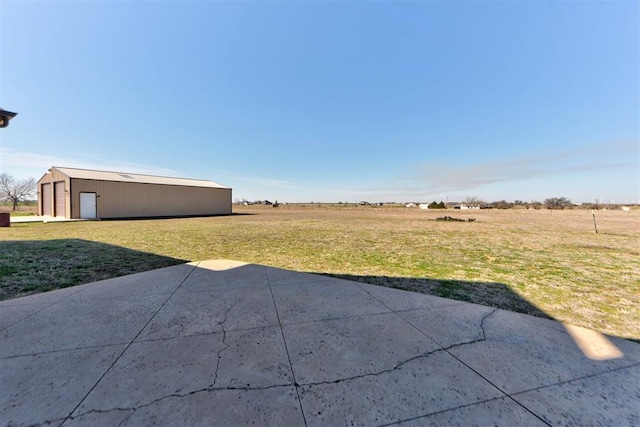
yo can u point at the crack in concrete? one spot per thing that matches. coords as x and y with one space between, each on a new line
125 419
398 312
226 346
484 333
248 387
206 389
179 396
43 423
385 371
132 341
484 338
404 362
224 335
372 374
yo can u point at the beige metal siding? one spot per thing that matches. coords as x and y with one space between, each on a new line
45 200
59 199
128 200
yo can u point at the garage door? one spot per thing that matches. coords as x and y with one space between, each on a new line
58 193
46 199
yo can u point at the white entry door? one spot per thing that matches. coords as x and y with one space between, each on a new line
88 205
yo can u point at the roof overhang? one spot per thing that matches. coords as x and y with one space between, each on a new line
5 116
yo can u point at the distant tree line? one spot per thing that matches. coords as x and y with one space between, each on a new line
434 205
552 203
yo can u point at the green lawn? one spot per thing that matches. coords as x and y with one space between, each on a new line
546 263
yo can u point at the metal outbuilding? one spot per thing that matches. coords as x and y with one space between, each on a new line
82 193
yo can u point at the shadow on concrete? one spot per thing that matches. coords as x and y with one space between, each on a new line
492 294
33 266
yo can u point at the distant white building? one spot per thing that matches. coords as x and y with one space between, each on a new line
464 206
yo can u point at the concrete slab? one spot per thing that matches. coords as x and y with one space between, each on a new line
522 352
229 309
451 325
18 309
161 281
74 324
45 297
498 412
48 386
277 406
177 367
11 314
149 371
210 276
418 387
350 347
608 399
327 299
45 219
229 343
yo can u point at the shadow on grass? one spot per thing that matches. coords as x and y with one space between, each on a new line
492 294
33 266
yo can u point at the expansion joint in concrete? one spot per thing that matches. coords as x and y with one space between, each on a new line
293 374
133 340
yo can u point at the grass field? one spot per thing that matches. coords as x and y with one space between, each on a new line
30 208
546 263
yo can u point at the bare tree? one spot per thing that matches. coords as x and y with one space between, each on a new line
16 191
557 202
474 201
502 204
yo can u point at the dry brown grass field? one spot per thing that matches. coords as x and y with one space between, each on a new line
30 209
546 263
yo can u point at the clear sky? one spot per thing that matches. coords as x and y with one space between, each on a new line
331 100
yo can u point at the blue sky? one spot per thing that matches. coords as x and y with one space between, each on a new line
331 100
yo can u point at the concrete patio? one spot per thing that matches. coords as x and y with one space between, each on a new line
227 343
35 218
